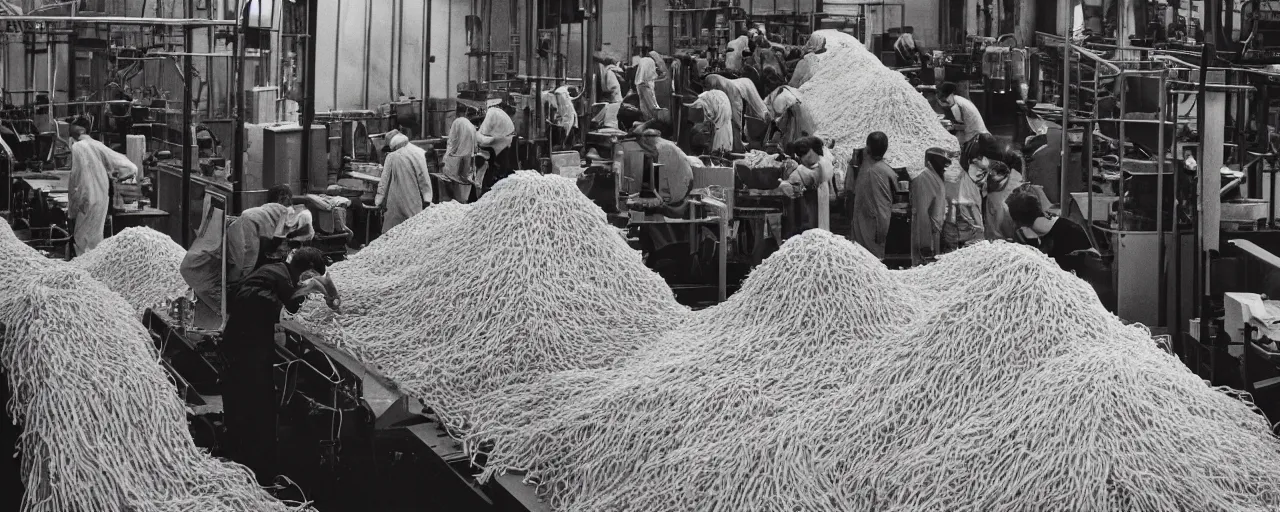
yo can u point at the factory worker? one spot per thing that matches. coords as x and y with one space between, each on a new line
646 76
248 346
873 196
667 245
93 167
963 111
496 133
715 105
248 239
929 207
1063 240
789 115
810 182
563 116
909 52
660 65
733 59
743 98
816 45
963 225
459 151
610 87
1001 183
404 189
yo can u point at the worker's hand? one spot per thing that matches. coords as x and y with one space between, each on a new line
294 305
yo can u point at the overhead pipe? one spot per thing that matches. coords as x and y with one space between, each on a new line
237 169
368 31
337 52
188 159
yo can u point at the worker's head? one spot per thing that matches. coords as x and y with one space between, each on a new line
397 142
76 131
1024 209
307 259
937 159
997 175
807 150
877 145
648 139
280 194
946 94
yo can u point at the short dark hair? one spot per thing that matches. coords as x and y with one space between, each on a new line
946 89
877 145
998 168
801 147
308 258
281 194
1024 208
937 159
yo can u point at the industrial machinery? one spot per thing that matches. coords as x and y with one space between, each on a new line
348 436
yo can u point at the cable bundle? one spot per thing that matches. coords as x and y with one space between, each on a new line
141 264
853 94
832 384
103 427
531 280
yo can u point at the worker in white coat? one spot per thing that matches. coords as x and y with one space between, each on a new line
873 197
496 134
810 183
963 111
404 189
610 86
562 115
646 77
789 115
744 99
458 154
93 167
817 44
715 106
733 59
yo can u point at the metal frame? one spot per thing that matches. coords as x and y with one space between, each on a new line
187 25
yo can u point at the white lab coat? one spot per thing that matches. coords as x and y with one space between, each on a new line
719 113
88 196
404 187
458 155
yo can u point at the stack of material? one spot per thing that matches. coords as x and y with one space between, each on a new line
103 428
140 264
19 259
853 94
531 280
808 320
837 385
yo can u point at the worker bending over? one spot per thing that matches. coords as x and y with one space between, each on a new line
248 346
1066 242
743 99
93 167
733 58
788 114
873 196
459 152
962 111
496 134
405 188
258 231
718 112
1001 183
668 246
810 182
561 114
816 45
929 207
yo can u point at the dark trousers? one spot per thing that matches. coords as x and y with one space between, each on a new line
249 398
503 165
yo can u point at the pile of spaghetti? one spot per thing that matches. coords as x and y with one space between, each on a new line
530 280
141 264
991 380
103 428
853 94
